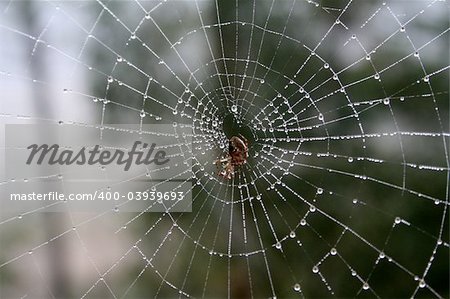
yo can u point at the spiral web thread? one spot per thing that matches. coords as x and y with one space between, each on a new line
345 105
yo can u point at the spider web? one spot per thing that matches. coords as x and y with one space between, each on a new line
345 106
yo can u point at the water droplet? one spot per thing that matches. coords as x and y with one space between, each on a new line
147 16
119 59
142 114
402 99
19 216
174 112
333 251
110 79
355 201
365 286
326 65
133 36
426 79
402 29
376 76
234 108
312 209
397 220
319 190
367 57
116 209
297 287
353 36
303 222
350 159
278 245
386 101
382 255
262 81
292 234
416 54
422 284
335 77
320 117
315 269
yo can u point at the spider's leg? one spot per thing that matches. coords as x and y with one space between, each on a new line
243 138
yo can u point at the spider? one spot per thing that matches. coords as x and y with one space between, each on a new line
237 155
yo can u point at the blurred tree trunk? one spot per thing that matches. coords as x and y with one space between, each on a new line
58 280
